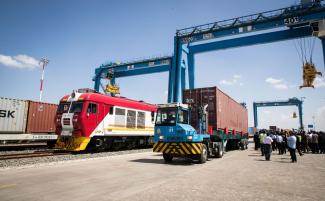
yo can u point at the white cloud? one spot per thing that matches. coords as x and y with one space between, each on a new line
226 82
280 86
271 80
234 81
20 61
277 83
319 82
237 76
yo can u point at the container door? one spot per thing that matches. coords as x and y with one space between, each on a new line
13 114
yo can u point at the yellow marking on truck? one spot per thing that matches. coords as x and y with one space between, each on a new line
185 149
160 145
166 145
181 151
190 148
196 148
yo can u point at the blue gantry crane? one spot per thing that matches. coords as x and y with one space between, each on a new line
303 20
132 68
291 102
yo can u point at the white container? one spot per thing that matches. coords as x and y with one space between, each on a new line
13 115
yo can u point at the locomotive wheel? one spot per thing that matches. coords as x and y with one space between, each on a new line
167 157
204 154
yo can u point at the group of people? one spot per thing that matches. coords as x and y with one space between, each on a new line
281 140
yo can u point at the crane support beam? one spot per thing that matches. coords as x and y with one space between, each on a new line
291 16
323 45
290 102
141 67
252 40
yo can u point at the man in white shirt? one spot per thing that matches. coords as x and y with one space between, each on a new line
292 140
267 147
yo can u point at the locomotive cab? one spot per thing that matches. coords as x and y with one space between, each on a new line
72 116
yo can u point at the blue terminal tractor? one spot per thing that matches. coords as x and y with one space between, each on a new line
175 137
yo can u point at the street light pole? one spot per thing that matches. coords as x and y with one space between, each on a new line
42 62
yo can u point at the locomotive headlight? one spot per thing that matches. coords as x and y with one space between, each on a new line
190 137
161 137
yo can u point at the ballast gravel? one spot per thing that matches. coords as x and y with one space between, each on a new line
40 161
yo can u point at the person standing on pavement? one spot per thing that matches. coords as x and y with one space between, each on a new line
292 140
298 144
279 141
256 141
262 137
268 147
314 141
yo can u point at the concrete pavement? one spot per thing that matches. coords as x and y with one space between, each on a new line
240 175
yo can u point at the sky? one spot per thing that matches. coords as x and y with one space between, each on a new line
79 36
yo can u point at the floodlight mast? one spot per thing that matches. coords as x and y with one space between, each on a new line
43 62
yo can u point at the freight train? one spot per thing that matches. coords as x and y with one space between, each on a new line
88 120
27 121
209 123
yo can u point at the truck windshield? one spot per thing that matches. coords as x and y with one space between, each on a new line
76 107
64 107
166 117
183 117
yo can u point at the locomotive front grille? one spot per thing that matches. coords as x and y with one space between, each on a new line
66 121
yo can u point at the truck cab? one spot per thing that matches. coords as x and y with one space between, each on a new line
174 136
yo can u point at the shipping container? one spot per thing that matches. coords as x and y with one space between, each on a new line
223 111
13 115
24 120
41 117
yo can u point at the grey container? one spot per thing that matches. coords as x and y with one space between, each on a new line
13 115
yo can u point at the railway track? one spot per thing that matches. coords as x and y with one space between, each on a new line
30 155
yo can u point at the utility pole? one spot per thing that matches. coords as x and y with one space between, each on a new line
43 62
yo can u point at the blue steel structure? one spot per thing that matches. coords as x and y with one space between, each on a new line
278 25
140 67
290 102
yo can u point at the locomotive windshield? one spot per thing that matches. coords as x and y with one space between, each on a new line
76 107
64 107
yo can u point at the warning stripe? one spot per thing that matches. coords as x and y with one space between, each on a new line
178 148
184 148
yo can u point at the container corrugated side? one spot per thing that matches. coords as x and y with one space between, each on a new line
231 114
41 117
13 115
224 112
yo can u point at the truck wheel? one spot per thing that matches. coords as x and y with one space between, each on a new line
167 157
220 152
204 154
